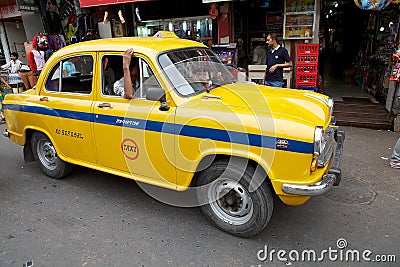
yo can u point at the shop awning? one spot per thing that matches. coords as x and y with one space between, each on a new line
90 3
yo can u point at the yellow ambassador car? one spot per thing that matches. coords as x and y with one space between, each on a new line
190 127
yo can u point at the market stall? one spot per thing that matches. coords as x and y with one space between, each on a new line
377 65
227 55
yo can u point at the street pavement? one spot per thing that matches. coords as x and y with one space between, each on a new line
96 219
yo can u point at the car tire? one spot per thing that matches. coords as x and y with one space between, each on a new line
225 199
46 156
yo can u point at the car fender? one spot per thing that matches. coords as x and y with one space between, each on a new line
26 137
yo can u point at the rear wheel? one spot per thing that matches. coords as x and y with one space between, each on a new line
228 203
46 156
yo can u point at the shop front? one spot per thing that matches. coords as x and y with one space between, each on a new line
201 21
197 28
188 19
231 28
33 39
234 25
359 57
377 63
12 30
293 22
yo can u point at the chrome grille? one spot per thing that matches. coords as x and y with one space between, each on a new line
328 147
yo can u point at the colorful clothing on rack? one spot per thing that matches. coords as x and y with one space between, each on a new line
41 42
71 30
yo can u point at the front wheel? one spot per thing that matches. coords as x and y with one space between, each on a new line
45 154
228 203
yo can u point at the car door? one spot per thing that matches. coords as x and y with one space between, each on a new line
133 136
66 103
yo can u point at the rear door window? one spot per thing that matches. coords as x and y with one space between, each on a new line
71 75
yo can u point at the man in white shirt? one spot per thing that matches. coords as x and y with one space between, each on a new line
13 66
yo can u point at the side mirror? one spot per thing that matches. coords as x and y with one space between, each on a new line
157 94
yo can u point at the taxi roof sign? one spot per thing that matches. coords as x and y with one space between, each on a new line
165 34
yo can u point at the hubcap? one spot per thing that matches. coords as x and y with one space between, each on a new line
47 154
230 201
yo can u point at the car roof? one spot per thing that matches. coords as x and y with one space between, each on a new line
156 44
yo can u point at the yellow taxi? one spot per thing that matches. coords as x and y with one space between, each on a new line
189 127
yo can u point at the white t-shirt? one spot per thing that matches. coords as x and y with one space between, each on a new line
119 87
12 66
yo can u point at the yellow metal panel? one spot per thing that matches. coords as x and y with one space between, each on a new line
130 137
123 143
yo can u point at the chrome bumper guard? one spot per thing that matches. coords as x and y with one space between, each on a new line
332 178
6 134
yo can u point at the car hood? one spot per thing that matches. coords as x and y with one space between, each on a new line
294 112
280 102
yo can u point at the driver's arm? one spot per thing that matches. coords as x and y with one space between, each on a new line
126 61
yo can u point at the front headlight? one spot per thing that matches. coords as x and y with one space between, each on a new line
330 105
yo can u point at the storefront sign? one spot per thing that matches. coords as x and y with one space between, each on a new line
11 11
88 3
27 5
214 1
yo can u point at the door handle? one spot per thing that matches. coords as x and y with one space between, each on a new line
104 105
44 98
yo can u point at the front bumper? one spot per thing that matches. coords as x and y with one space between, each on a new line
332 178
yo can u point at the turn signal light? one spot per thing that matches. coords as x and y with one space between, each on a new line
314 162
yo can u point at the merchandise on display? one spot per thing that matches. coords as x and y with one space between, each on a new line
299 19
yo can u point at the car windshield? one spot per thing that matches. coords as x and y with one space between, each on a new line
195 70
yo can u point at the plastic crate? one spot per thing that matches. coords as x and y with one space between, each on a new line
308 80
306 84
309 59
306 69
307 49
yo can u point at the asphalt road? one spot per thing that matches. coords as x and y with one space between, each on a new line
96 219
